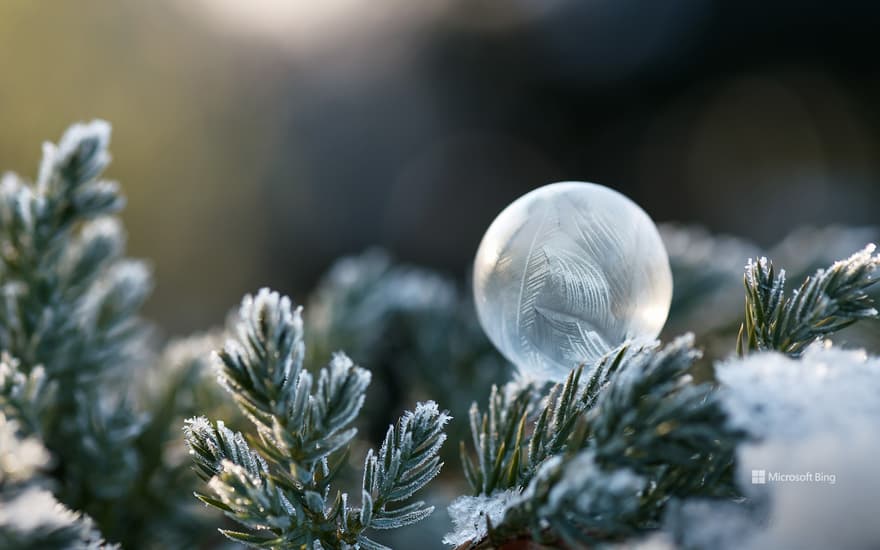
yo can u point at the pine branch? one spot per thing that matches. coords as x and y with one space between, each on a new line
651 436
69 296
263 370
572 501
654 420
23 396
68 315
518 433
555 429
607 455
498 439
49 524
69 303
405 463
277 486
241 479
828 301
30 516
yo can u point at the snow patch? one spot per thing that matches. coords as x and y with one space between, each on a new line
773 396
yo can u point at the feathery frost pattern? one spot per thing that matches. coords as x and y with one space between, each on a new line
568 272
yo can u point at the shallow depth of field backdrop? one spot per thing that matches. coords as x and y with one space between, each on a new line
258 141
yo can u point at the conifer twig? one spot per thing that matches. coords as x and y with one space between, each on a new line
606 456
827 301
278 485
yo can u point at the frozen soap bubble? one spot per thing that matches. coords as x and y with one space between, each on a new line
567 272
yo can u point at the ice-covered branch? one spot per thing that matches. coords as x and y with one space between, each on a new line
278 486
827 301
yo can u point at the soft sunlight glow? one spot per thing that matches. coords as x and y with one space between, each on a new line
305 24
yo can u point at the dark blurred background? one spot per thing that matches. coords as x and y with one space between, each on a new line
258 141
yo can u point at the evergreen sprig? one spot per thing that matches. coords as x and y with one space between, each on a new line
263 371
23 396
73 342
827 301
509 447
574 501
68 321
278 485
498 436
639 418
653 419
69 296
30 516
406 462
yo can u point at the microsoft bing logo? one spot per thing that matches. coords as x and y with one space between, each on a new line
759 477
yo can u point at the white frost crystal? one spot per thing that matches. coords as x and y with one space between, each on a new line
469 515
567 272
20 457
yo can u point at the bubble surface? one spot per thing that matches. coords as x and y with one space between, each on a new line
567 272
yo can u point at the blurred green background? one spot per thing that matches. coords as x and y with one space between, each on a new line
257 141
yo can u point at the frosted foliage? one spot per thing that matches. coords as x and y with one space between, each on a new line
34 512
35 508
590 489
20 458
567 272
469 514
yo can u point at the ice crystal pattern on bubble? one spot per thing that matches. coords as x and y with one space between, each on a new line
567 272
